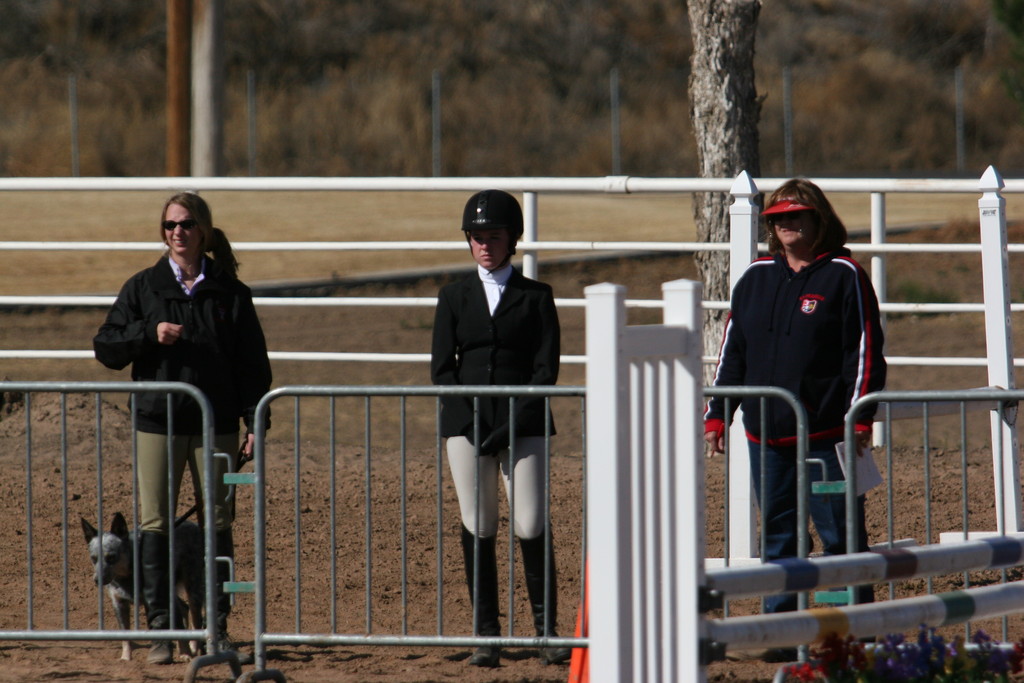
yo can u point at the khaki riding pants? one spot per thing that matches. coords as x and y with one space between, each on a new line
154 491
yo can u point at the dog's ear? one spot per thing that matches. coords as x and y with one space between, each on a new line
89 530
119 527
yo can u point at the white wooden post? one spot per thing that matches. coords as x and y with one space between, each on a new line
683 308
610 621
743 228
999 345
645 510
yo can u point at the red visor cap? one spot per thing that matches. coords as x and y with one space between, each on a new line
786 205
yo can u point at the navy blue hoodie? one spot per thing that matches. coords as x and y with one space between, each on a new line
815 332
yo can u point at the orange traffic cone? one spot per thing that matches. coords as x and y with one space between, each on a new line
579 665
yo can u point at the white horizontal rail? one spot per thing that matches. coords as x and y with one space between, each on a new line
593 185
61 354
430 302
678 247
314 301
68 245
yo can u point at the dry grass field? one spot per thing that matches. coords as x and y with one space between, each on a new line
307 216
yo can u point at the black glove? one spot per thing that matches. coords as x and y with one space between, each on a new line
497 440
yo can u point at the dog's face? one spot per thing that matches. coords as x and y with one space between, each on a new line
114 547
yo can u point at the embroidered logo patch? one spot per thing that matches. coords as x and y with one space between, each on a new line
809 303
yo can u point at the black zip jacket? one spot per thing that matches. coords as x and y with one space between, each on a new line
816 333
222 350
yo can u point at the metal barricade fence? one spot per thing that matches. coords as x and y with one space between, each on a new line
95 459
57 573
947 556
946 460
731 397
927 430
403 511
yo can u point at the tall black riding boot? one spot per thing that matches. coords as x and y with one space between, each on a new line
485 602
538 569
156 591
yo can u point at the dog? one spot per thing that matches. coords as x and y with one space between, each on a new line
117 549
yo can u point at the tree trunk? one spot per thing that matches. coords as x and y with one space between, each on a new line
724 112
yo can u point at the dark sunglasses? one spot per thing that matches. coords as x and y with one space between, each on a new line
186 224
783 217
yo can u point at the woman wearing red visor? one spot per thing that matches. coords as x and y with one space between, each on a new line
804 319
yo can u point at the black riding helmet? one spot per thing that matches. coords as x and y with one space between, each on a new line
494 209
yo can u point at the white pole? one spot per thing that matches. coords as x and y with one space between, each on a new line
743 224
686 523
999 345
530 233
878 278
608 486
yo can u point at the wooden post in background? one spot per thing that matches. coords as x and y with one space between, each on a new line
179 86
208 88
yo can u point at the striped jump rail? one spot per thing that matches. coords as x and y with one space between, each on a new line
796 574
796 628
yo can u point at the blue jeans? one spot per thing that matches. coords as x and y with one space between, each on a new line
778 509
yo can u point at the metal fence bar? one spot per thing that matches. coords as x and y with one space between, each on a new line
1001 402
402 632
67 633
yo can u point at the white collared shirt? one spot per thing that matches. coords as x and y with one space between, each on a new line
494 284
178 275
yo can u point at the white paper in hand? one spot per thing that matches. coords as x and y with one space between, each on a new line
868 476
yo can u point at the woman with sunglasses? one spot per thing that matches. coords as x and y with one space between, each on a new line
805 319
188 318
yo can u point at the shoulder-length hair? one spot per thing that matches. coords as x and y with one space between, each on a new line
830 234
214 241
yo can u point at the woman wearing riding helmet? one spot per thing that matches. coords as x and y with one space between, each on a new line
497 327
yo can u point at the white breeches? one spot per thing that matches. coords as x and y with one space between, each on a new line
524 489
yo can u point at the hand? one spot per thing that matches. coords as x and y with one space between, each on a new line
863 440
716 440
168 333
247 446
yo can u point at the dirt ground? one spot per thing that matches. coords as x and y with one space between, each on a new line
328 490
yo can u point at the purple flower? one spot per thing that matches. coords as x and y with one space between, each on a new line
927 659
